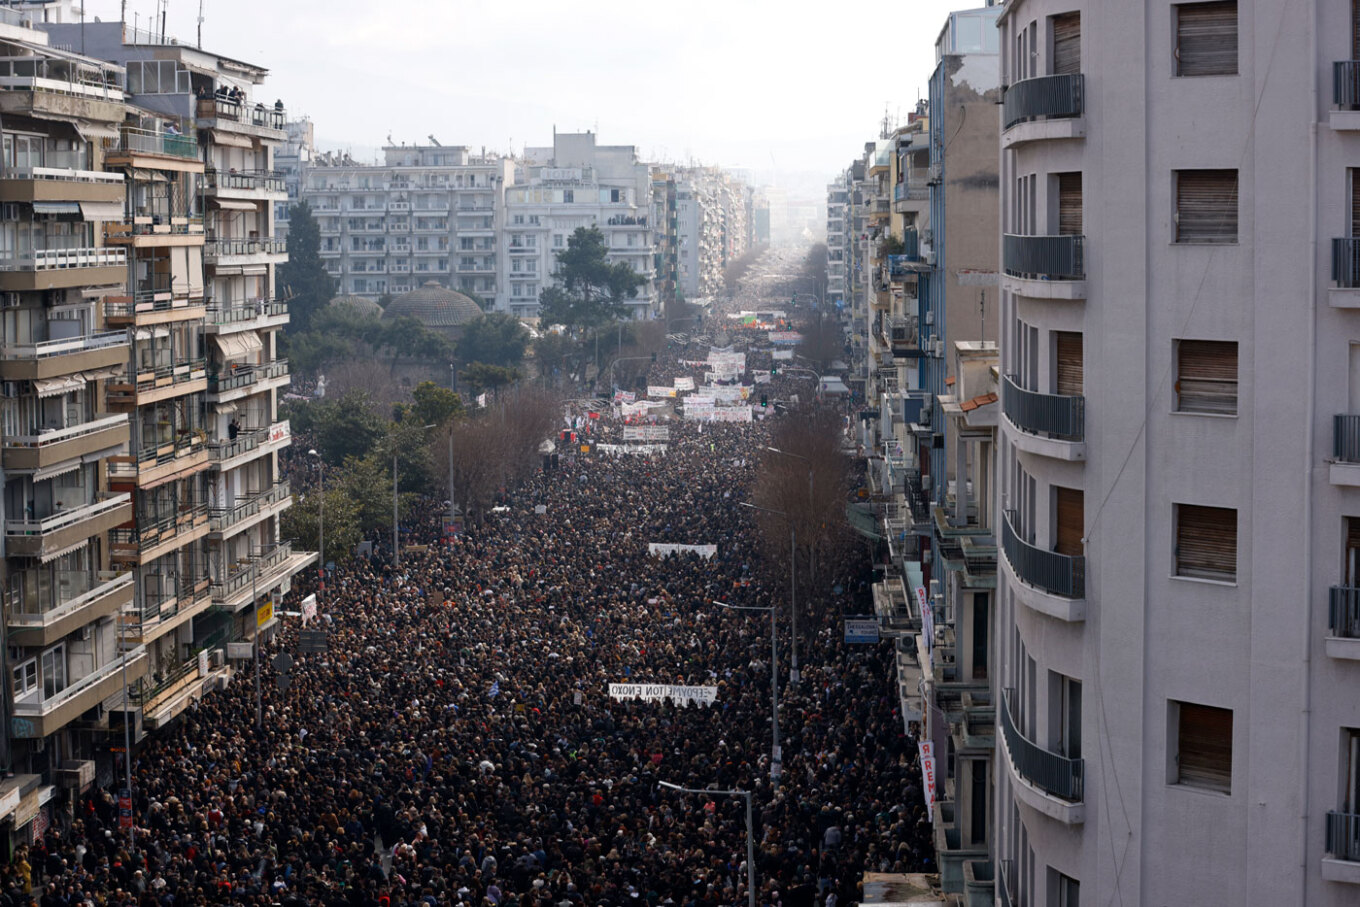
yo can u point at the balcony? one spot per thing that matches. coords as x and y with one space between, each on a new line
161 612
1043 108
1343 622
1049 425
265 122
1344 468
247 445
47 605
257 576
161 702
226 521
47 536
37 718
242 381
1345 272
103 432
156 462
1346 95
246 315
904 194
157 231
159 382
168 151
63 356
904 336
1046 781
58 268
1045 267
155 536
247 183
243 251
1048 582
61 184
154 302
1342 860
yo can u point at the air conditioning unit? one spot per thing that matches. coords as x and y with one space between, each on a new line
930 317
86 633
216 658
925 483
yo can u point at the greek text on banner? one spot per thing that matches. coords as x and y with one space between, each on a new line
655 692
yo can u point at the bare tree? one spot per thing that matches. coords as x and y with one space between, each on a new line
823 341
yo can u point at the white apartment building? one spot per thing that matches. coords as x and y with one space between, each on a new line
428 213
1178 615
575 183
713 227
291 160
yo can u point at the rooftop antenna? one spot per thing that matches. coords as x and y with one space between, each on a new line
886 129
200 24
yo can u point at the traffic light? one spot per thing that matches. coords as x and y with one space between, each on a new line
764 400
774 371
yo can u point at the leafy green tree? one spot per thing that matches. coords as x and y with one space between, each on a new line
346 427
302 522
407 337
430 405
590 291
303 275
497 338
552 354
481 376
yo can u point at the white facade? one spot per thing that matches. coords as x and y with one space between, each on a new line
1178 722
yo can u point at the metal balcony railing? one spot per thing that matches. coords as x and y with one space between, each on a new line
245 310
1346 262
101 503
1055 415
247 375
45 349
49 704
1343 612
1346 438
1058 574
222 518
144 141
1052 773
1044 257
215 249
1343 835
1346 84
239 574
271 180
1051 97
42 438
43 596
64 258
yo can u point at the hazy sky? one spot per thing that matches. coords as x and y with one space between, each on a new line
794 85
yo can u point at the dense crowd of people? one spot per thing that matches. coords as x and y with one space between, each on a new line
457 744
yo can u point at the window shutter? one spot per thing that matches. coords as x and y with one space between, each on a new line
1206 377
1355 29
1067 44
1206 206
1205 746
1206 542
1068 352
1355 198
1069 204
1206 39
1070 504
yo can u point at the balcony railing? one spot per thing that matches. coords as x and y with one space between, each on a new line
46 349
154 453
1044 257
1046 96
239 574
146 380
61 259
1346 438
215 249
153 531
41 596
1052 773
247 375
222 518
218 108
39 707
144 141
1005 886
247 310
1346 84
1343 835
1054 415
70 174
1057 574
1346 262
1343 612
905 192
102 503
270 180
99 422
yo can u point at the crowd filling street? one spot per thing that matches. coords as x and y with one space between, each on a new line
457 744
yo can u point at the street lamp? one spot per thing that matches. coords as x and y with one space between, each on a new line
794 675
396 516
321 527
776 751
793 581
624 359
750 836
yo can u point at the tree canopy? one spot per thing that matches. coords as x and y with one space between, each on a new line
496 338
590 291
303 275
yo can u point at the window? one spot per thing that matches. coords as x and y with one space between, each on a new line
54 671
1206 206
1063 890
1203 746
1206 542
24 678
568 195
1066 44
1206 39
558 241
1350 770
1206 377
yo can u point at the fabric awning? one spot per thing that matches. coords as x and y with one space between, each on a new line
98 455
104 374
235 346
228 204
56 207
51 387
224 409
101 210
96 292
149 176
56 469
231 139
52 556
90 131
861 519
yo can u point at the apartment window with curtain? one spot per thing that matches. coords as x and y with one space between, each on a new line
1206 38
1206 377
1063 890
1206 206
1202 746
1206 542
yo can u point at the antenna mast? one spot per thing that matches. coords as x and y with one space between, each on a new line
200 24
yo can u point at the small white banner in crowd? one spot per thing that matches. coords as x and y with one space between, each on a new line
657 692
781 354
655 391
727 361
734 394
762 377
786 338
701 400
684 384
646 433
640 408
308 609
636 450
928 776
718 414
624 397
662 549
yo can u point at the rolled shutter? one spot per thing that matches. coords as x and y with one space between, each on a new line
1206 206
1070 366
1070 505
1355 199
1206 377
1205 751
1206 542
1355 29
1069 204
1206 39
1067 44
1352 577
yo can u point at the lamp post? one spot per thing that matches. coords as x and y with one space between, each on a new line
255 611
321 542
396 516
794 674
776 750
623 359
127 729
750 834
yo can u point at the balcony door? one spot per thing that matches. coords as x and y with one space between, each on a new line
1069 367
1352 577
1069 204
1350 765
1354 222
1069 507
1067 44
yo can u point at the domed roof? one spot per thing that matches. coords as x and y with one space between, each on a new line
359 304
434 306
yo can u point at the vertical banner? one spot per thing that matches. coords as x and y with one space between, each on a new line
927 616
928 776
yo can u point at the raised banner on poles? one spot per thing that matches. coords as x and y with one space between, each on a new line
661 549
635 450
684 384
656 692
718 414
928 776
927 616
733 394
624 396
646 433
654 390
790 338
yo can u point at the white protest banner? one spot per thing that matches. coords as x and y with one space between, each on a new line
642 407
308 608
786 338
655 391
684 384
646 433
927 616
781 354
735 361
761 377
662 549
701 400
733 394
636 450
624 397
656 692
928 776
718 414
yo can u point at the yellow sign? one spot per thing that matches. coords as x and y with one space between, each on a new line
264 613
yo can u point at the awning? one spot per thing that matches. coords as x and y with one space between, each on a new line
56 469
52 556
96 292
101 210
58 207
104 374
90 131
862 520
227 204
98 455
149 333
221 137
224 409
235 346
51 387
149 176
